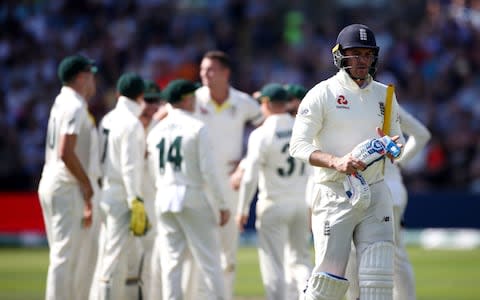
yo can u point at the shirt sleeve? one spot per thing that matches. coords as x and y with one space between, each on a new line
72 121
209 169
308 123
132 156
254 114
418 136
251 165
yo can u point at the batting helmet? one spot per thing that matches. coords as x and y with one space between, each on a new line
355 36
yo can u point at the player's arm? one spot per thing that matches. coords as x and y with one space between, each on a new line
208 169
132 161
307 124
249 180
418 136
71 161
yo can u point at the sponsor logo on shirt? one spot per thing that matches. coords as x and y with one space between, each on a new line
342 102
326 228
304 112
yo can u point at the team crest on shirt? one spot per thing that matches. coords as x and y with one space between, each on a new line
342 102
382 109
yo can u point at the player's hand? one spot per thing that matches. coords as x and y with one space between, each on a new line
236 178
224 216
87 192
241 222
394 138
348 164
87 215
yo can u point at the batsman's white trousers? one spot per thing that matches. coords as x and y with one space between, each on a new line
62 208
335 222
193 228
403 276
282 226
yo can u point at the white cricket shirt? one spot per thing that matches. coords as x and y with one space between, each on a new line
268 163
335 116
123 148
179 154
68 116
226 124
418 136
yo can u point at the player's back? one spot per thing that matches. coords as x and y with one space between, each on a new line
280 174
174 147
115 129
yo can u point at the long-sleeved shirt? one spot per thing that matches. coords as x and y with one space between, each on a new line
227 123
418 136
269 165
123 148
180 154
335 116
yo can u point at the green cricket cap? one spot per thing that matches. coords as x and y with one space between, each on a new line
296 90
130 85
70 66
274 92
153 93
177 89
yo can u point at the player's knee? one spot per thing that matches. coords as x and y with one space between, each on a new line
325 286
375 271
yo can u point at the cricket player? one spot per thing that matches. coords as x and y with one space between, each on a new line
182 163
226 111
336 119
297 92
65 190
140 251
281 216
403 277
122 156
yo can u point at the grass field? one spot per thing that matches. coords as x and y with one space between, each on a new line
440 274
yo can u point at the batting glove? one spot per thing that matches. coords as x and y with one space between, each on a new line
139 224
357 190
372 150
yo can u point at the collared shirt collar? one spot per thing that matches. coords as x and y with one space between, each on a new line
68 90
345 79
225 105
130 105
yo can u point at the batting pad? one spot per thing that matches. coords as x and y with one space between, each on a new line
375 272
324 286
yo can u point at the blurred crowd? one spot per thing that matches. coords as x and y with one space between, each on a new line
429 49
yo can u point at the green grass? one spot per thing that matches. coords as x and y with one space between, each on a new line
440 274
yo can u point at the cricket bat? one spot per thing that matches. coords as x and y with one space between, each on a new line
387 116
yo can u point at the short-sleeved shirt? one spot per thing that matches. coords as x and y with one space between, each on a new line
68 116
